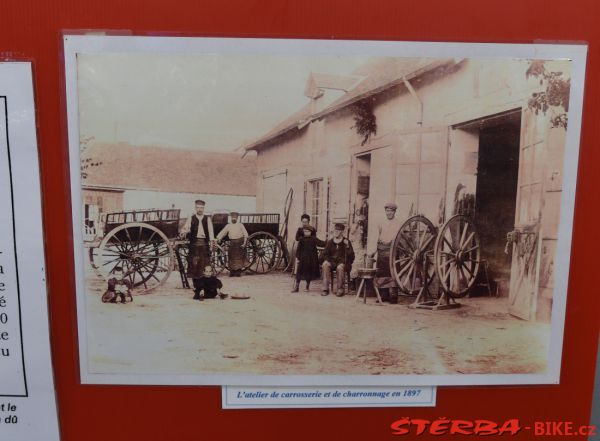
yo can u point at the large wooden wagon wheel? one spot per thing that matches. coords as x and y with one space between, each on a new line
263 252
457 255
142 250
411 256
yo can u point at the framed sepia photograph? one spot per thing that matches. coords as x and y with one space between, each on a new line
305 212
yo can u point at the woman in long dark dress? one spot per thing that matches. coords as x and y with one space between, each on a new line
308 258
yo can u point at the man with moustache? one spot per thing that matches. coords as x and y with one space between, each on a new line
238 236
199 231
381 245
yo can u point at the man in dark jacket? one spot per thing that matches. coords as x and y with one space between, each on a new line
338 255
199 230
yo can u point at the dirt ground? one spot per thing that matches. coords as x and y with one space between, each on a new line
276 332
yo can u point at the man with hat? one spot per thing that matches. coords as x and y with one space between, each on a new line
381 245
237 234
199 230
338 254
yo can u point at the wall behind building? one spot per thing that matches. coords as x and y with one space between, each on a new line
143 199
106 200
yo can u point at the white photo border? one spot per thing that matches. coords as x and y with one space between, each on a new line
93 44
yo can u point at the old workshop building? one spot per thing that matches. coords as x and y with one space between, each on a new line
447 130
143 177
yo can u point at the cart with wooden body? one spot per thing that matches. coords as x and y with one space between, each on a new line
146 244
141 242
263 251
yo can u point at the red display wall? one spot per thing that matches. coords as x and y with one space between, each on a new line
32 30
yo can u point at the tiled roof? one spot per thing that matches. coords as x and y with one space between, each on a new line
379 75
124 166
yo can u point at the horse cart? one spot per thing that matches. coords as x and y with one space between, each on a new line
148 246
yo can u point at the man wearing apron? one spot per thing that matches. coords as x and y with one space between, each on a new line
237 234
386 232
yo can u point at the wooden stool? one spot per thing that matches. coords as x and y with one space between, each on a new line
366 276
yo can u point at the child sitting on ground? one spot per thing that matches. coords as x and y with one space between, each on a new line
209 285
117 287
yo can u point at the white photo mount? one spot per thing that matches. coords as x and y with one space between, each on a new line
91 45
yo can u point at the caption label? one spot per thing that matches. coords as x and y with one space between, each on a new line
239 397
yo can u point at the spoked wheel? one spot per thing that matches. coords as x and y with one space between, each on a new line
457 255
142 250
411 256
263 252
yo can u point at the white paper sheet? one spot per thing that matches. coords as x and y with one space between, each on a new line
27 401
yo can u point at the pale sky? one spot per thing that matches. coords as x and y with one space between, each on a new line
202 101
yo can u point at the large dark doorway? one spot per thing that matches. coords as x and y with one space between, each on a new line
496 192
363 184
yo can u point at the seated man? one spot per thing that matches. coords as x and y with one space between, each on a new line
338 254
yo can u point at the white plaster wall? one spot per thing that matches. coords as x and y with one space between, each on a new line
143 199
471 90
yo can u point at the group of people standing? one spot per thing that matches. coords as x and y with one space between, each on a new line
202 240
338 255
338 252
